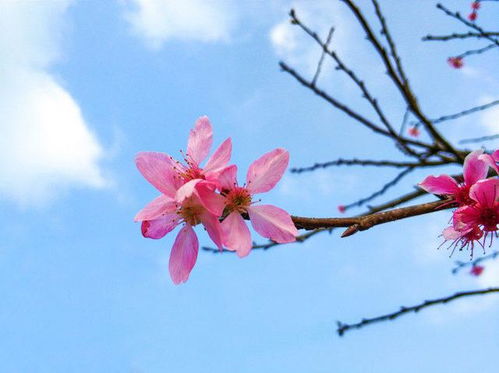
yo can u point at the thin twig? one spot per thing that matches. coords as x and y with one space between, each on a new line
342 327
466 35
476 51
472 25
472 110
346 109
321 60
403 86
479 139
381 191
368 162
460 265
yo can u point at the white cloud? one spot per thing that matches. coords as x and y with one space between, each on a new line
297 48
489 118
196 20
45 143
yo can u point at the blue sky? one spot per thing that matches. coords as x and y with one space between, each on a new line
88 84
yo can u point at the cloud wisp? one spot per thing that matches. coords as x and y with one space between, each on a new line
158 21
45 142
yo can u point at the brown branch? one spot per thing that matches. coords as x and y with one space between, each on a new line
472 110
368 162
466 35
303 237
476 51
347 110
479 139
362 223
460 265
342 328
472 25
403 86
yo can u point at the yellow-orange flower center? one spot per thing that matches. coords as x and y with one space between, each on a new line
238 199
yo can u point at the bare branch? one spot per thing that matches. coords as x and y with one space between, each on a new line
403 86
460 265
368 162
479 139
342 328
453 36
472 25
462 113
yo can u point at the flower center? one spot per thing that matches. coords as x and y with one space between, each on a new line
191 213
238 199
192 173
489 219
463 196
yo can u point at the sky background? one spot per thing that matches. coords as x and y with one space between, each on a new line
85 85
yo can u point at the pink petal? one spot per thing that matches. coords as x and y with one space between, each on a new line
443 184
266 171
184 254
159 206
157 228
490 161
187 190
213 202
158 169
220 158
236 234
485 192
465 218
495 155
213 227
450 233
474 169
227 178
200 140
272 222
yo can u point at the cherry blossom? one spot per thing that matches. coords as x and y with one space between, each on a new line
455 62
269 221
414 131
167 174
476 270
190 206
474 169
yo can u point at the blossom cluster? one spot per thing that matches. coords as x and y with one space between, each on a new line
476 218
210 195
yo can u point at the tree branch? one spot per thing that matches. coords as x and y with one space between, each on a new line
342 328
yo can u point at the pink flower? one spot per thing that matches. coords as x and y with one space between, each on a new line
492 160
267 220
477 220
475 5
474 169
342 208
414 131
188 195
455 62
167 174
195 202
473 16
484 213
477 270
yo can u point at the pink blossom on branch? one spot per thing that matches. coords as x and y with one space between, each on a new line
477 220
492 160
267 220
455 62
476 270
167 174
191 207
474 170
414 131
